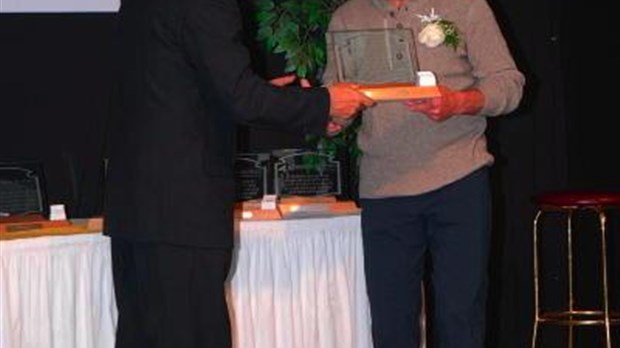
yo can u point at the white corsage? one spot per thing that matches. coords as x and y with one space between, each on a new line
438 31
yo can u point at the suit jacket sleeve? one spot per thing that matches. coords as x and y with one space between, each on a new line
212 37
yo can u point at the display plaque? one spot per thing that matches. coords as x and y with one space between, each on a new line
251 175
294 175
383 61
22 189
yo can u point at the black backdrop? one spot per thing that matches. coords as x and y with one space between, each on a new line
55 87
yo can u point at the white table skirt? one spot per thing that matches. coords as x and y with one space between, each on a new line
57 292
300 284
294 284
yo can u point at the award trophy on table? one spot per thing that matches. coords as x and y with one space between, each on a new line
383 62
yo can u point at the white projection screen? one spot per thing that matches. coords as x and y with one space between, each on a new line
58 6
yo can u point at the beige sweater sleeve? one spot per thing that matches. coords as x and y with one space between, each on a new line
494 68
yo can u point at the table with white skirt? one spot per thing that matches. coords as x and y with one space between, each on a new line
300 283
57 292
293 284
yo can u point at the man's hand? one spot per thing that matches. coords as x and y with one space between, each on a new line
337 125
287 80
334 126
346 101
468 102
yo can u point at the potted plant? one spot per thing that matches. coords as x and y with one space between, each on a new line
296 29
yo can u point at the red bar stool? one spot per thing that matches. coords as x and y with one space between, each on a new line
569 203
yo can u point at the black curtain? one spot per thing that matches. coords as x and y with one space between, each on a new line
55 88
531 156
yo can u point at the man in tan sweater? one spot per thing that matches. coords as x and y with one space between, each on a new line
423 183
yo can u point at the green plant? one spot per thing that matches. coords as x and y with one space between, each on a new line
296 29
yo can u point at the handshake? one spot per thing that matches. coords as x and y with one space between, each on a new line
346 102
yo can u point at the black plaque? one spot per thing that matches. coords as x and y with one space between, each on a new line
251 175
306 173
22 189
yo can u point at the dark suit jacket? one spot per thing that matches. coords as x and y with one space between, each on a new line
185 83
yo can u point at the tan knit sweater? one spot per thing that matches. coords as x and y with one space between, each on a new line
406 153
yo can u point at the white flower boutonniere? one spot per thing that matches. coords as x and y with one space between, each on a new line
438 31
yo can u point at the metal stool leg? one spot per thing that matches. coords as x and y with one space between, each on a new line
603 223
569 253
536 294
423 316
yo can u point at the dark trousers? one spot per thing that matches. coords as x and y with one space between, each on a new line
451 225
170 296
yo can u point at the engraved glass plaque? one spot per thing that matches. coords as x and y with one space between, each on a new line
251 175
374 56
383 61
22 191
295 176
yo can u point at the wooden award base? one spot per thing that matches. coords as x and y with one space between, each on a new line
29 222
324 206
251 210
398 91
296 207
31 226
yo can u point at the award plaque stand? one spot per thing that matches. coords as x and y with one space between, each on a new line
424 87
398 91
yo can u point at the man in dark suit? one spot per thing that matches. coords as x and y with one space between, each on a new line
185 83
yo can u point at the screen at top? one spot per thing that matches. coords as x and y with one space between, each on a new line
59 6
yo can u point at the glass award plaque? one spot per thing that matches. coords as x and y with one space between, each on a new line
22 189
293 176
251 175
382 61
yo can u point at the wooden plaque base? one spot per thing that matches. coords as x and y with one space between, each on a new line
297 206
29 222
398 91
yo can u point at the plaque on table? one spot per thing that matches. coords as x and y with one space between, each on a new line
251 175
22 190
382 61
306 173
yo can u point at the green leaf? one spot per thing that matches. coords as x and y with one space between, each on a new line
265 5
302 71
289 27
318 52
292 6
290 67
452 38
279 49
264 33
264 17
271 43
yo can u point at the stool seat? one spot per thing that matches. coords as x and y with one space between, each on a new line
578 199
